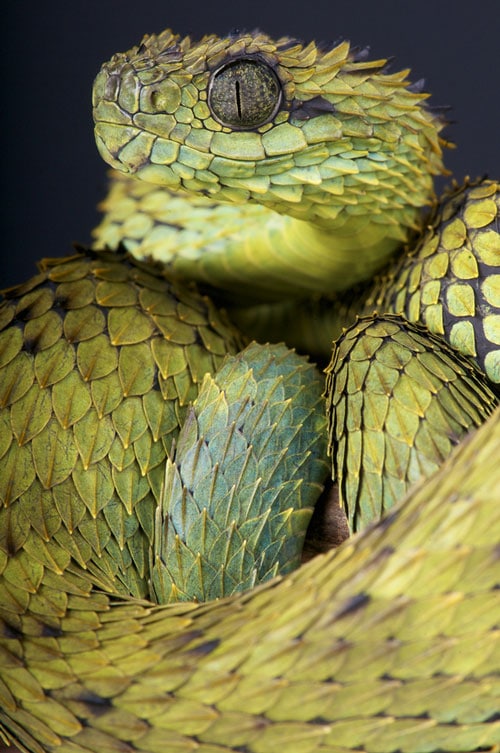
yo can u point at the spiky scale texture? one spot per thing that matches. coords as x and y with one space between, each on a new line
389 644
100 356
449 282
358 171
398 400
295 163
311 662
248 467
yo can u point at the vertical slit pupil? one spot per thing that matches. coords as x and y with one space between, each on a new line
244 94
238 98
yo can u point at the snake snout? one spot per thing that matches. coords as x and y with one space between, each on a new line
115 99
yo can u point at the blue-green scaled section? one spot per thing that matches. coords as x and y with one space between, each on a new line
240 488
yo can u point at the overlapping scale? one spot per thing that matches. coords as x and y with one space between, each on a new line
399 400
95 384
248 468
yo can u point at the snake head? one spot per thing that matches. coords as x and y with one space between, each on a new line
305 131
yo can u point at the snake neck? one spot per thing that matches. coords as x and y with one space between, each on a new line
340 257
284 258
246 251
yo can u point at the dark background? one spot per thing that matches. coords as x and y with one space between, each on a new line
51 51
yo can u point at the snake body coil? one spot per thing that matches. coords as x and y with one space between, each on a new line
150 454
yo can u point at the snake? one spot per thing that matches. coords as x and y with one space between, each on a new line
249 439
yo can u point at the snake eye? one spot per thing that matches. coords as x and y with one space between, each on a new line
244 94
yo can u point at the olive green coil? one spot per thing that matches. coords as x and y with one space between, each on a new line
149 454
451 281
100 359
399 400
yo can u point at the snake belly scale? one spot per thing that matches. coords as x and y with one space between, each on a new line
160 461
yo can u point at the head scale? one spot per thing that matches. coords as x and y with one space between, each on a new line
304 131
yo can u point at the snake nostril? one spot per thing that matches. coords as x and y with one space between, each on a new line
112 87
156 99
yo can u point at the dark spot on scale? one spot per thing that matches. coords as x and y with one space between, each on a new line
311 108
495 717
61 300
26 312
9 631
319 720
51 631
31 345
95 704
203 649
352 605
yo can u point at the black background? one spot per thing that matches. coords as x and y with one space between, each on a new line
51 52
